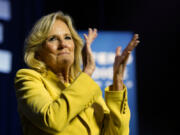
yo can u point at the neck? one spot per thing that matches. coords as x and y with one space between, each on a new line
63 74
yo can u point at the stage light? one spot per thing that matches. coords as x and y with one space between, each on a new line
5 10
1 33
5 61
5 55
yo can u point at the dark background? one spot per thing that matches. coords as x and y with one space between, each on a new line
154 20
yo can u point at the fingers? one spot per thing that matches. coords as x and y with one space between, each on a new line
135 40
92 34
85 36
117 57
118 51
123 58
133 43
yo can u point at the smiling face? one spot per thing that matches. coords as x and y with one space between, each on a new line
58 50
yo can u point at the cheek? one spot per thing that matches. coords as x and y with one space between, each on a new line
51 48
47 53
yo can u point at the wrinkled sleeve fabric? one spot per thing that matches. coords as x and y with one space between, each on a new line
48 114
117 123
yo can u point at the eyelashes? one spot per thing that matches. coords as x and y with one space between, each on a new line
55 38
68 37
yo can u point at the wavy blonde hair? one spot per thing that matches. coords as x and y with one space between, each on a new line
39 34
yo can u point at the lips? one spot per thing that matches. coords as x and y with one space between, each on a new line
60 53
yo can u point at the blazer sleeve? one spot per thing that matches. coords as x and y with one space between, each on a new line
117 123
50 115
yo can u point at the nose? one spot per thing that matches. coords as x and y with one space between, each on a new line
62 44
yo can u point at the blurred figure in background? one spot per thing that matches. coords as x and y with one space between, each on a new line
56 97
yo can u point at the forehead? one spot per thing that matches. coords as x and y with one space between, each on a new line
59 27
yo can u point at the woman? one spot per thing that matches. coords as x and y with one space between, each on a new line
55 97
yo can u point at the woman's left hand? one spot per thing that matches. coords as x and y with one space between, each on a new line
87 55
121 61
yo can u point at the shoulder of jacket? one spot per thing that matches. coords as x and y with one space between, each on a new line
28 72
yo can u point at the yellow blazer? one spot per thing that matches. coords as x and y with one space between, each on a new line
48 107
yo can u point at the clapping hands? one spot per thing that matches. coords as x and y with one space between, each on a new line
120 61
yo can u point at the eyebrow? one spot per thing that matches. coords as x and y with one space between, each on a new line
66 34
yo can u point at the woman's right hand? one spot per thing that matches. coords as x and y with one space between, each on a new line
121 62
87 55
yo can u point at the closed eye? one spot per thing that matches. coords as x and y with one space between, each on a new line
68 37
53 38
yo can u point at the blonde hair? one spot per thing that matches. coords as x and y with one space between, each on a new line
38 36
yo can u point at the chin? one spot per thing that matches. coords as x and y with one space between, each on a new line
65 61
